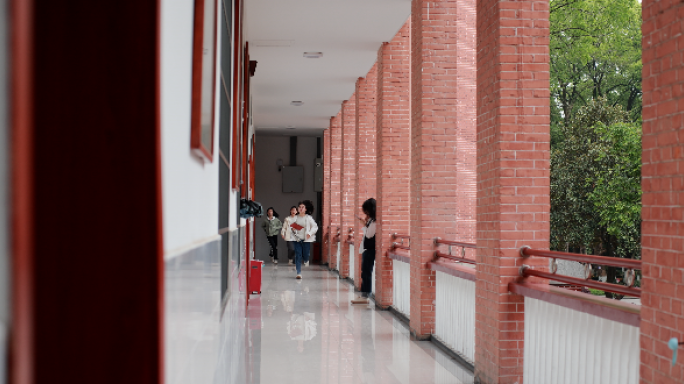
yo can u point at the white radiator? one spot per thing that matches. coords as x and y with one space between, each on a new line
564 346
455 314
402 287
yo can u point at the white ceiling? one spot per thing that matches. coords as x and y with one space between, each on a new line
348 32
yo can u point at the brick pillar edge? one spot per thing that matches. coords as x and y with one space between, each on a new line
513 174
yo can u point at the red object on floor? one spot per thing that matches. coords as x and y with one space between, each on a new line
255 278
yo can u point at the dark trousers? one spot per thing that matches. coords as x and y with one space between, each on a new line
290 250
367 272
273 240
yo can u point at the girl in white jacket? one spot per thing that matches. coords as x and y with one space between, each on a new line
303 232
286 233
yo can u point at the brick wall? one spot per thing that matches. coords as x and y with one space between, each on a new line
393 147
325 257
365 153
662 311
347 198
335 183
442 140
513 174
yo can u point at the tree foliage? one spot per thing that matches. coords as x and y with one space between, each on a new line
595 50
596 182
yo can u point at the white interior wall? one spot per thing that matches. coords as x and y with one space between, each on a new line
4 198
268 188
190 187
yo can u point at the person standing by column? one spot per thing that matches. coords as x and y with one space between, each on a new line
286 233
304 232
272 227
368 258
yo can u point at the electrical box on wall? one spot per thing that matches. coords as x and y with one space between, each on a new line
318 175
293 179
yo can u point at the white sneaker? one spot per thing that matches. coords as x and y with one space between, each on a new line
298 277
272 259
290 262
306 264
275 261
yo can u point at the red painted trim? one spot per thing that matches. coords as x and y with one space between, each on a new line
398 257
453 269
244 163
598 306
22 331
197 67
237 99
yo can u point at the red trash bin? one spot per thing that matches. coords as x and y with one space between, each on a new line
255 278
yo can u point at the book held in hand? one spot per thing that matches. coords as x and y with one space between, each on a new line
296 226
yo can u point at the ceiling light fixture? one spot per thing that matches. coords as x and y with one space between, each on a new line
313 55
297 103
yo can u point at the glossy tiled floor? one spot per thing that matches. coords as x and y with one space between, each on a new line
306 331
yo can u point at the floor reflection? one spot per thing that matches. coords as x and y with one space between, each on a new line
306 331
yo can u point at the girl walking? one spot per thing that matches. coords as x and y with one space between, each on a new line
272 227
286 233
368 258
304 233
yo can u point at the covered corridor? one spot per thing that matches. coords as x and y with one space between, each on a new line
135 135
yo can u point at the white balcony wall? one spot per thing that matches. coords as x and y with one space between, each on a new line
352 259
337 256
564 346
455 314
402 287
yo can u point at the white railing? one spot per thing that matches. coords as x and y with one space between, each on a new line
402 287
351 261
455 314
564 346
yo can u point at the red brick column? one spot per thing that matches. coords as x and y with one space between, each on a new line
325 258
348 199
365 154
443 141
662 227
393 122
513 174
335 184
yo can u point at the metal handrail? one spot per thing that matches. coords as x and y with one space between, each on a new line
454 243
439 254
400 246
621 289
601 260
630 277
449 243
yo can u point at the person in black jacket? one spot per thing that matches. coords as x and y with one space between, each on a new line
368 257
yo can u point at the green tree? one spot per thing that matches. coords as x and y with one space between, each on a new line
595 52
596 183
